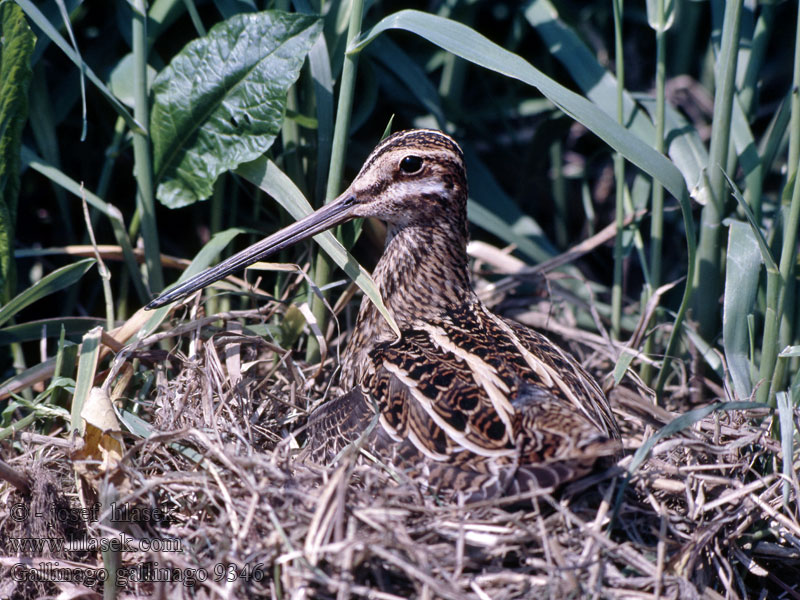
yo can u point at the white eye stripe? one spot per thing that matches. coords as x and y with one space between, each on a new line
419 188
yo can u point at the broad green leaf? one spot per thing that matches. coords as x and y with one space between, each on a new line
221 100
741 285
49 284
15 75
267 176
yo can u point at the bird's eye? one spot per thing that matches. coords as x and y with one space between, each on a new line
411 164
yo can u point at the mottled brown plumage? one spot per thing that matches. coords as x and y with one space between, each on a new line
466 401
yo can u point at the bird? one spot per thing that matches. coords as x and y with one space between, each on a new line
465 402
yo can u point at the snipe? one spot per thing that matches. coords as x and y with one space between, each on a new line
469 402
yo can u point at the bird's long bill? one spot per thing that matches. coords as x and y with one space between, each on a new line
330 215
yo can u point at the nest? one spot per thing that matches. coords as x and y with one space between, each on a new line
239 517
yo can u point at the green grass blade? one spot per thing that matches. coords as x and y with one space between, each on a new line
35 15
341 134
706 350
741 285
409 72
490 208
685 421
142 155
49 284
600 86
622 364
678 424
790 352
771 140
323 97
109 210
766 253
47 328
707 282
65 363
684 146
84 381
470 45
46 137
82 77
619 177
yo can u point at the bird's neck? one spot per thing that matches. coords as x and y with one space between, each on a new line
421 276
423 272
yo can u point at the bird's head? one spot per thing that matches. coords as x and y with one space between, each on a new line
415 177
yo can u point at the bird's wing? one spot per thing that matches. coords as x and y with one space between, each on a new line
438 401
568 379
335 424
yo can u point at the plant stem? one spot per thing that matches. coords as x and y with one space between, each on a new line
657 203
794 120
143 164
341 130
559 188
708 271
780 329
657 223
747 99
785 283
619 172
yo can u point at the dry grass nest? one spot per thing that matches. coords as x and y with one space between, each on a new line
220 509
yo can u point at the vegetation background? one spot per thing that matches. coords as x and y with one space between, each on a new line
676 122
